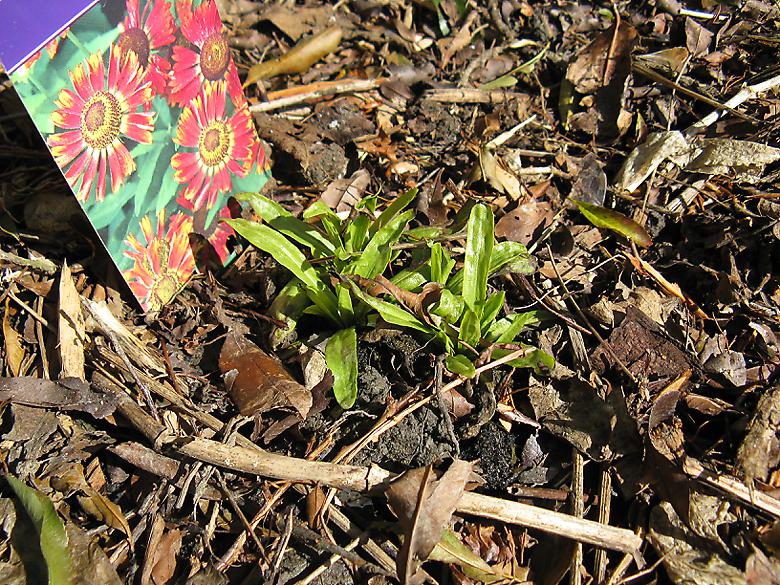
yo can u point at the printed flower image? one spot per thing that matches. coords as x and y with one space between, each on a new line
146 32
97 116
222 146
163 263
53 45
205 58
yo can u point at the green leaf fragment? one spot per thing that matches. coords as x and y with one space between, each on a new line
342 359
378 251
479 247
610 219
51 531
461 365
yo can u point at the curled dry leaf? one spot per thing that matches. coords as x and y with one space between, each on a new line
520 224
424 506
342 195
258 382
760 449
299 58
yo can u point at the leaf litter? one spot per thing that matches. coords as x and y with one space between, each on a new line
632 154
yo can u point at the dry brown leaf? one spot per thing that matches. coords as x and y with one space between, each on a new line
298 59
295 21
165 555
342 195
12 341
70 329
424 505
258 382
760 449
520 224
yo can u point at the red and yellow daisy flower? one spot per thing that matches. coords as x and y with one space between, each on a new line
54 45
258 156
221 143
97 117
206 56
146 33
163 263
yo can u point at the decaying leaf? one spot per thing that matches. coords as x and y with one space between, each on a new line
760 449
686 558
12 341
258 382
70 328
343 194
741 159
520 224
68 394
423 505
494 171
451 550
610 219
298 59
71 478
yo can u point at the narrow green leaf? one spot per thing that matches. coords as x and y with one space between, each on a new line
613 220
288 306
412 280
390 312
503 253
392 210
441 264
51 531
507 329
460 364
378 251
479 247
287 254
541 362
342 359
470 332
282 220
331 222
346 310
490 310
449 307
356 234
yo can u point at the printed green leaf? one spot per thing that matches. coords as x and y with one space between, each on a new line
378 251
479 247
285 253
50 529
342 359
283 221
613 220
460 364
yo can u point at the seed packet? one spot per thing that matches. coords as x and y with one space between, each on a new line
141 105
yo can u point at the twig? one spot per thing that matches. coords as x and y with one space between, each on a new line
467 95
578 511
39 265
346 86
283 542
605 500
257 461
746 93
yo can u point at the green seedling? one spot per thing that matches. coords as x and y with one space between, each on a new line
334 262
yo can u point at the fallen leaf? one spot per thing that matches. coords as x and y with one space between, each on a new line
520 224
258 382
610 219
298 59
342 195
12 342
759 452
424 505
70 328
494 172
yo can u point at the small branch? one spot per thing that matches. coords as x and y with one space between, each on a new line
257 461
299 95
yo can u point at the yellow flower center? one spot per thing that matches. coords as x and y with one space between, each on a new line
214 57
214 143
135 39
101 120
